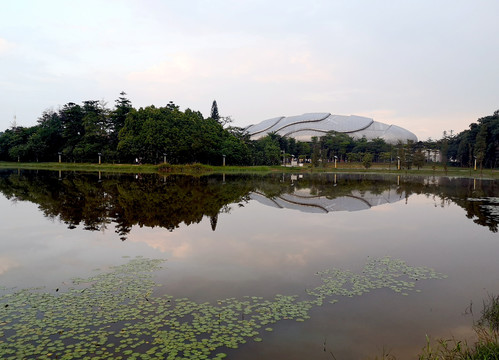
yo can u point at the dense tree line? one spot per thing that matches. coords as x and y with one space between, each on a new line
78 133
480 142
124 134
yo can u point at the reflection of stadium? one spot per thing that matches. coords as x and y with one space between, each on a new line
302 200
304 127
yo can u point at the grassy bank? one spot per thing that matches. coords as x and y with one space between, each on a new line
119 168
199 169
485 346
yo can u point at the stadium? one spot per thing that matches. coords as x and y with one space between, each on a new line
304 127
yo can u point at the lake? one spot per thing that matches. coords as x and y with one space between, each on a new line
278 266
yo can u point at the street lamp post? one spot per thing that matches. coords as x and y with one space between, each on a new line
223 160
100 154
475 163
398 162
335 159
164 158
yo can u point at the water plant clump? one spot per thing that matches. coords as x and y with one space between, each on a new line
377 273
490 313
115 315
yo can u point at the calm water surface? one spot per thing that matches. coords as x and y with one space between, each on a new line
234 236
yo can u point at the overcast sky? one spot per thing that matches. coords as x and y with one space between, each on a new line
427 66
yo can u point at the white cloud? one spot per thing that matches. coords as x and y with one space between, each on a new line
5 46
257 59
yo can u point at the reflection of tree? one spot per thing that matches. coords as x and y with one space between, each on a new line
150 200
475 196
122 199
213 222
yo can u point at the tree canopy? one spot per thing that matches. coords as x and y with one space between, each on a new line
480 142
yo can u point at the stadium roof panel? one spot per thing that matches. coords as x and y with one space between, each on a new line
304 127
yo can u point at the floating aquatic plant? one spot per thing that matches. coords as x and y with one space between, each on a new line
114 315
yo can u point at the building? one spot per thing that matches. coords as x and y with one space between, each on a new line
304 127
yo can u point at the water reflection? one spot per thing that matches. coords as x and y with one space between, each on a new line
303 200
95 201
260 250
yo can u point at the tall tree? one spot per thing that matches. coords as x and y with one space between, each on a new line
214 111
71 116
95 137
122 106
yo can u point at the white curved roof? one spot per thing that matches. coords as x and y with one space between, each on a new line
304 127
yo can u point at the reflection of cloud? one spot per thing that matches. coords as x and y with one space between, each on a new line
262 250
6 264
296 259
250 249
173 245
383 208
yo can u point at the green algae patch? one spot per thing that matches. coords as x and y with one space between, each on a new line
114 315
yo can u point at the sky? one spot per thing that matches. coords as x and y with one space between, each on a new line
427 66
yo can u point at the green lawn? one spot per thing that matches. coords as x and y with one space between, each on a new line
206 169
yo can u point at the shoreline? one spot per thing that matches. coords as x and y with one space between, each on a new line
199 169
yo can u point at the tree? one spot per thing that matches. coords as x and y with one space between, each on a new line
367 160
208 136
315 151
481 145
266 151
214 111
47 139
444 149
184 137
401 153
225 120
236 146
410 147
122 106
492 138
95 138
463 149
13 144
419 158
71 116
303 149
376 147
143 135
